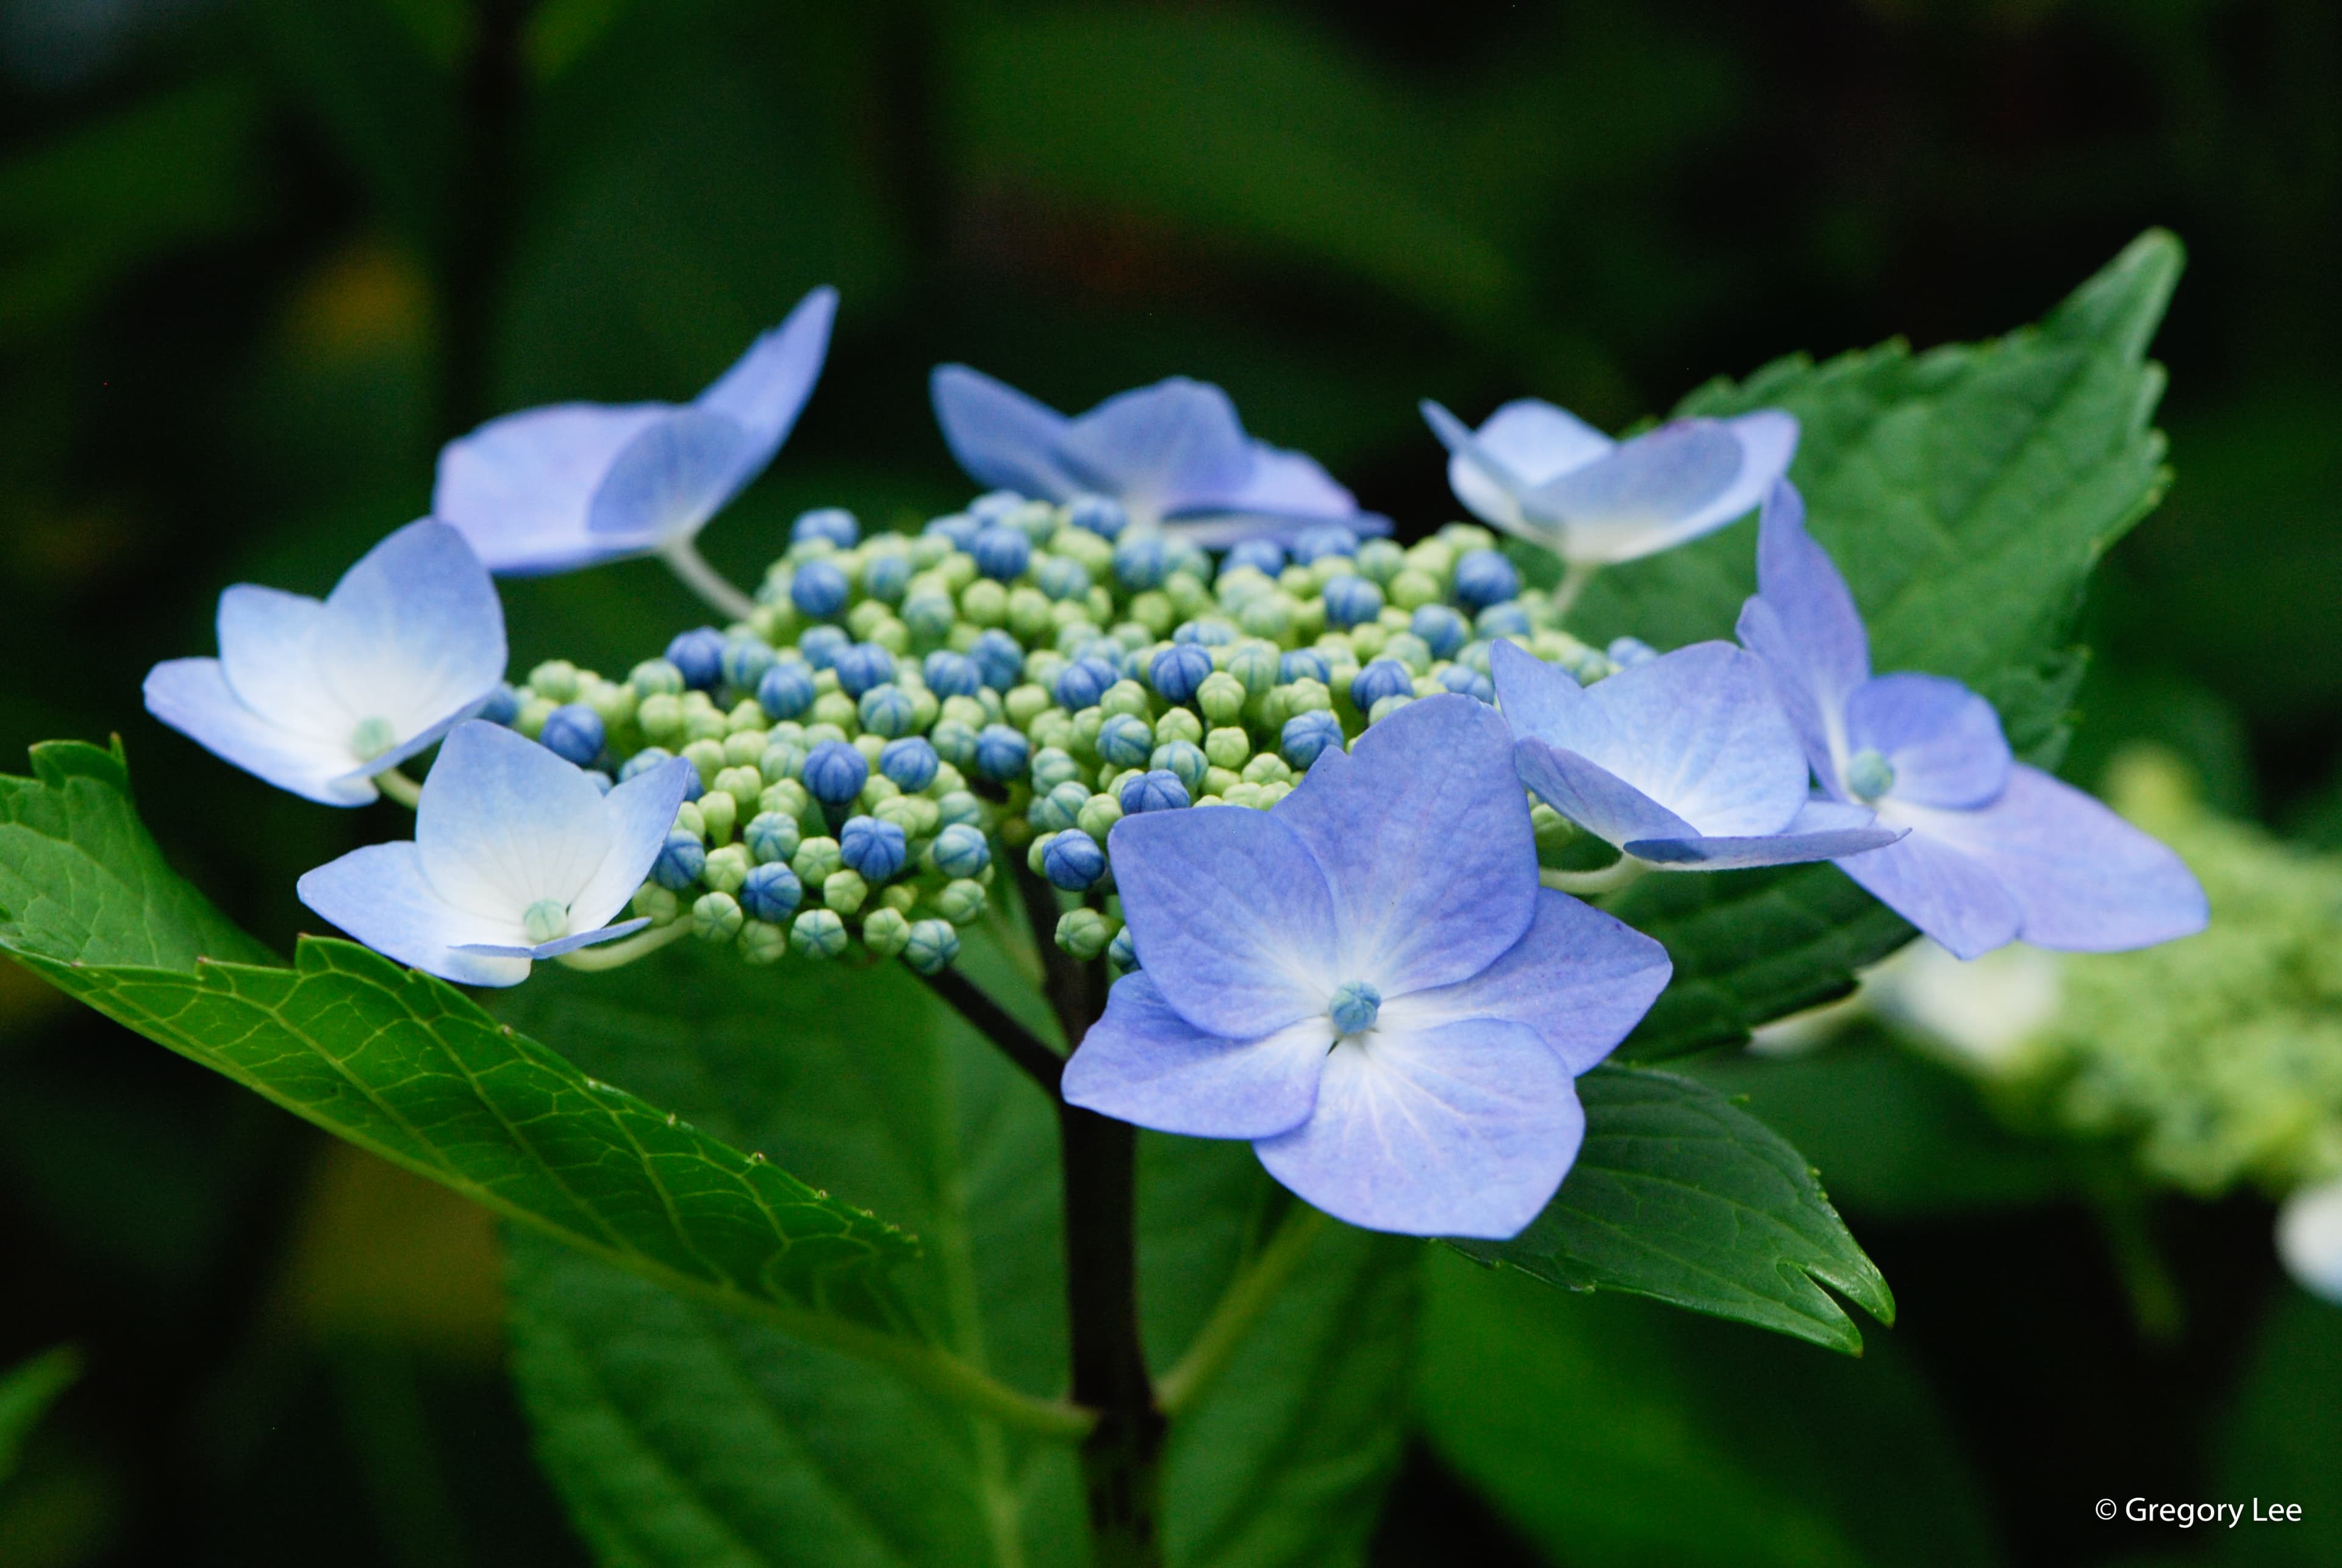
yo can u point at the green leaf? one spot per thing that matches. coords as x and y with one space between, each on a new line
679 1435
409 1067
1616 1436
26 1391
2279 1443
1680 1195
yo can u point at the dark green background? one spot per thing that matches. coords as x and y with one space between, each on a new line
258 259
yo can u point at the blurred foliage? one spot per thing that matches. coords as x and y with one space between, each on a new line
258 257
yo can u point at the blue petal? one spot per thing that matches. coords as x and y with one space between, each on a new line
1595 799
1941 890
1652 496
767 386
1822 830
1231 914
1803 624
669 480
1698 731
1161 449
1579 977
414 633
1943 741
638 812
269 656
1491 477
380 896
519 487
1425 840
2083 879
504 822
1144 1063
558 945
1001 437
1460 1129
192 696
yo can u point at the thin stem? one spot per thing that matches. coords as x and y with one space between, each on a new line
1626 870
1017 1042
395 785
682 558
1575 575
1248 1295
627 949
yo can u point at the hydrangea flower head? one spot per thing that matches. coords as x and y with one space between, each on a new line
1543 473
516 856
1685 761
317 697
1368 982
1997 851
574 483
1171 454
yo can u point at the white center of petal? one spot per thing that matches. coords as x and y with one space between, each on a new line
1355 1008
372 738
546 919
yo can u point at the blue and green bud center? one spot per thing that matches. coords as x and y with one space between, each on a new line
546 919
1355 1008
1868 774
372 738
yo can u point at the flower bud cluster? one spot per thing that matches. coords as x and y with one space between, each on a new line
900 710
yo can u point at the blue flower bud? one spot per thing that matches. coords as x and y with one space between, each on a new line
863 665
818 933
834 772
818 588
886 577
1124 741
999 659
600 780
1266 557
1305 735
680 861
820 646
1484 577
771 892
994 505
873 846
954 743
1443 631
573 732
1382 678
643 761
1001 551
950 674
1178 670
1001 753
961 850
1208 634
746 660
933 944
1627 652
1052 767
1100 514
1507 620
1304 664
1072 861
1062 578
1121 950
1184 555
1140 560
910 762
960 807
698 653
1354 1007
1158 789
1082 682
1461 678
889 709
787 691
1351 600
1184 760
772 836
1056 810
1325 539
503 705
834 523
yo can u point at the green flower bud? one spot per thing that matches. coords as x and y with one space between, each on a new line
1051 767
917 816
1222 697
960 805
1300 582
612 703
655 903
1031 613
1366 639
886 933
787 796
1218 781
871 748
1227 747
718 812
702 720
963 900
743 748
983 603
1178 725
1307 695
1190 598
1098 816
1413 589
1554 832
779 760
843 891
1127 697
530 720
727 868
772 836
775 622
954 740
1025 703
556 681
815 858
1267 768
1272 615
1385 706
746 717
1053 728
876 790
656 678
1380 560
818 933
866 618
687 818
1083 933
762 942
1086 731
1033 850
1154 611
742 783
1432 558
707 756
928 551
1244 794
716 917
933 946
837 709
1411 650
929 612
1274 791
1463 538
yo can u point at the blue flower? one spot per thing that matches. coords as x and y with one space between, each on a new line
573 732
317 697
818 589
872 847
961 850
1001 551
887 710
1314 545
1100 514
1263 555
1687 762
746 660
1396 887
1158 789
1061 577
910 762
574 483
1124 739
1549 477
834 772
862 667
1299 663
834 523
681 858
951 674
1443 631
1178 670
1072 861
1082 682
1382 678
820 645
771 892
1173 453
1141 561
1997 852
515 858
1484 577
786 690
886 577
1305 735
1182 760
698 653
999 659
1001 753
1351 600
